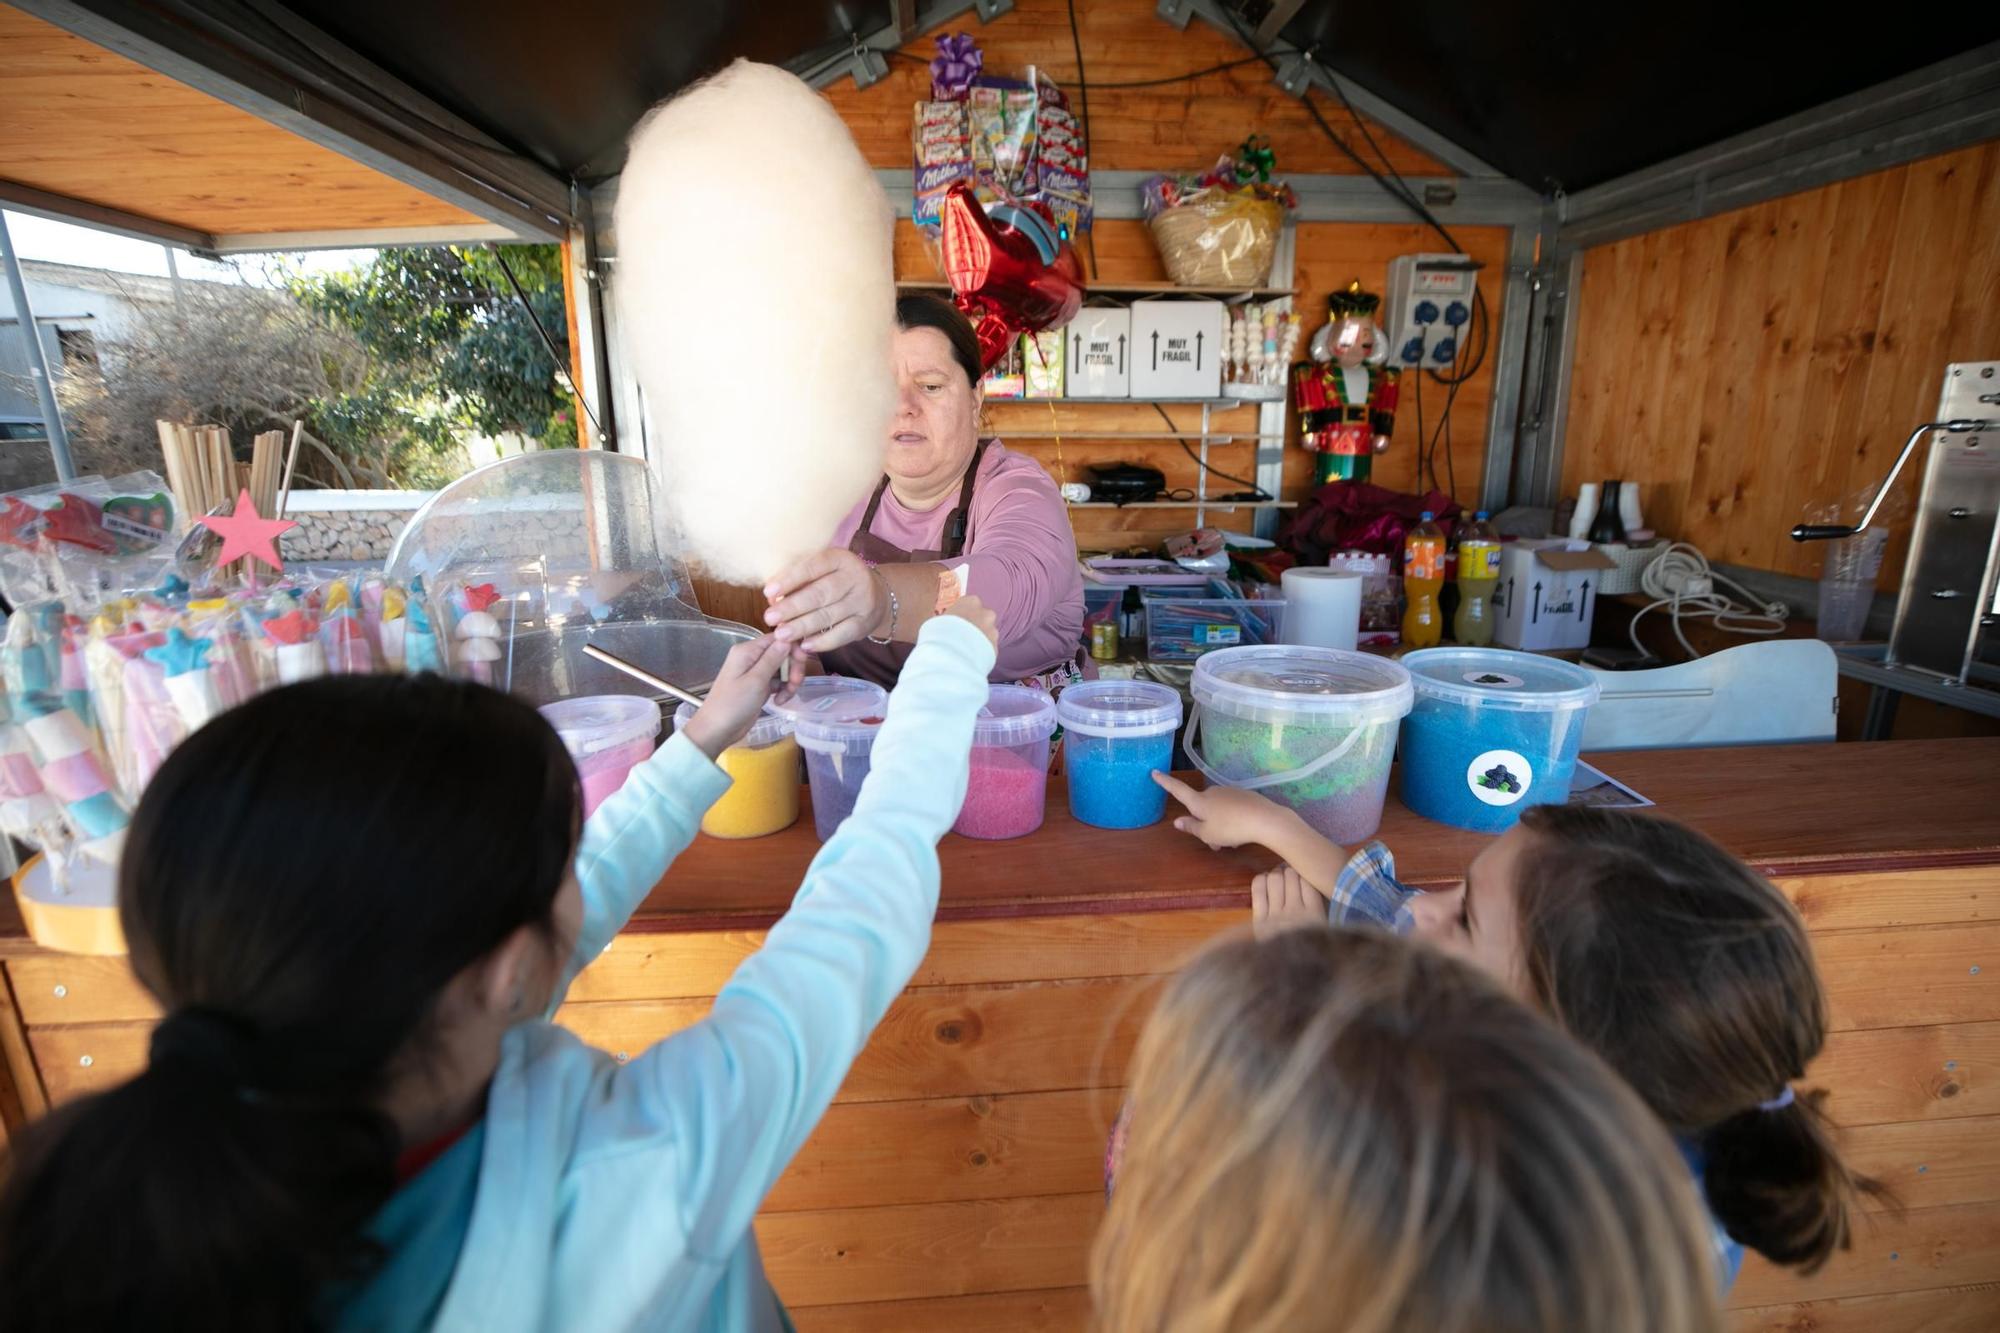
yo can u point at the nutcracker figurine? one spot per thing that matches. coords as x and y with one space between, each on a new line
1344 395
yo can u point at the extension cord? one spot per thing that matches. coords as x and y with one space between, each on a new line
1680 580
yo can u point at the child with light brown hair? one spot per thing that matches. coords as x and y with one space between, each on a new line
1688 972
1341 1130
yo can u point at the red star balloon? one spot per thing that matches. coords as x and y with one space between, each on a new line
245 532
1009 270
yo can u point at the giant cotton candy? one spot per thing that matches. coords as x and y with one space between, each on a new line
757 295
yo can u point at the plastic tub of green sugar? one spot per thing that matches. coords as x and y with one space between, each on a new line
1311 728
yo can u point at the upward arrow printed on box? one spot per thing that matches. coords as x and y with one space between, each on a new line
1156 349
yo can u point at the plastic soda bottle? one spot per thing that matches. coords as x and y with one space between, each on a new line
1478 572
1423 580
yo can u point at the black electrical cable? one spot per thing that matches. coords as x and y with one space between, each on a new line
548 343
1083 120
1399 189
919 59
1185 78
1213 470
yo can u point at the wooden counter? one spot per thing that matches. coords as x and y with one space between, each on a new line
956 1182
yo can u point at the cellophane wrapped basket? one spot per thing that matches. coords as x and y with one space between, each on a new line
1219 229
1219 239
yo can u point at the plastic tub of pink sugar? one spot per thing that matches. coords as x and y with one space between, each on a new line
1009 785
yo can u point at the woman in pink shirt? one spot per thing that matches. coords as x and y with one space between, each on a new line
956 514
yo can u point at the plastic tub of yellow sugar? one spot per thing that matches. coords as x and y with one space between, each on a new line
763 767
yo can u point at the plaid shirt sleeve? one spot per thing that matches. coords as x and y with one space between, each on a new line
1367 892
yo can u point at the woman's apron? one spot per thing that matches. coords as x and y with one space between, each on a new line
883 662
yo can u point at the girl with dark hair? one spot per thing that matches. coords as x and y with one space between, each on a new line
358 901
1686 970
955 513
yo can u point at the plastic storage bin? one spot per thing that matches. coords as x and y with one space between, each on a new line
835 720
608 735
1116 735
1492 733
1181 628
1009 786
763 767
1312 728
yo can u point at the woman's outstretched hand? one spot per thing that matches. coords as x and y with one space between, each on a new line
826 601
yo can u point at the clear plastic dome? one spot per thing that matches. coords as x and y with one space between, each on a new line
531 558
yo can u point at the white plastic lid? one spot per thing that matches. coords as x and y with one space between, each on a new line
1499 678
1119 708
1014 715
597 722
833 707
1284 683
766 730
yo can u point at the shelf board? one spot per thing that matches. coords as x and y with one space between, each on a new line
1184 504
1134 402
1136 289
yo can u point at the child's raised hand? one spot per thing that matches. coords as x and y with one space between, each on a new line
981 616
1223 816
748 677
1281 900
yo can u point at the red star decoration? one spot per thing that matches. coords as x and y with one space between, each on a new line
480 596
246 533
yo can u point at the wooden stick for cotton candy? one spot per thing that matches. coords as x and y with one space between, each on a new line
178 481
291 462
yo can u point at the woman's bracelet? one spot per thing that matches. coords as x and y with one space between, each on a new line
895 608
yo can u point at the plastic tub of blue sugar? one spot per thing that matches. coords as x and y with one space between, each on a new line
1117 734
1492 732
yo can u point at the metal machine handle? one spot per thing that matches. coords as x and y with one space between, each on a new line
1817 532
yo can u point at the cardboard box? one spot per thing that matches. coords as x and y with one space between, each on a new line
1099 356
1177 349
1547 593
1042 363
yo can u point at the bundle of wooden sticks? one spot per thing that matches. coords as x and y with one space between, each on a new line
204 475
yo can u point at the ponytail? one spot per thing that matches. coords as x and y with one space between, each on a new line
1693 977
1777 1184
302 880
188 1190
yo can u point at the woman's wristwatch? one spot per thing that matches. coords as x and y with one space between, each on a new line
895 608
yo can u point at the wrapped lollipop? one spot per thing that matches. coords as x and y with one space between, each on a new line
348 651
27 811
62 746
149 724
392 622
300 656
477 634
183 663
421 648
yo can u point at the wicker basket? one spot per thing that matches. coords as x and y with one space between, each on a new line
1219 240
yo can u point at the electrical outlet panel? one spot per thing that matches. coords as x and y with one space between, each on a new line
1429 304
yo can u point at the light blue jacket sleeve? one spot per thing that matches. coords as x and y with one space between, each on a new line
738 1093
632 838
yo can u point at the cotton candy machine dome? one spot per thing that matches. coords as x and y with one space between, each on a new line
573 547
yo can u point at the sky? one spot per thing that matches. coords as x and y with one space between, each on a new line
68 243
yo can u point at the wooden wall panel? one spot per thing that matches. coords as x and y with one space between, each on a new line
84 122
1174 127
1744 366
